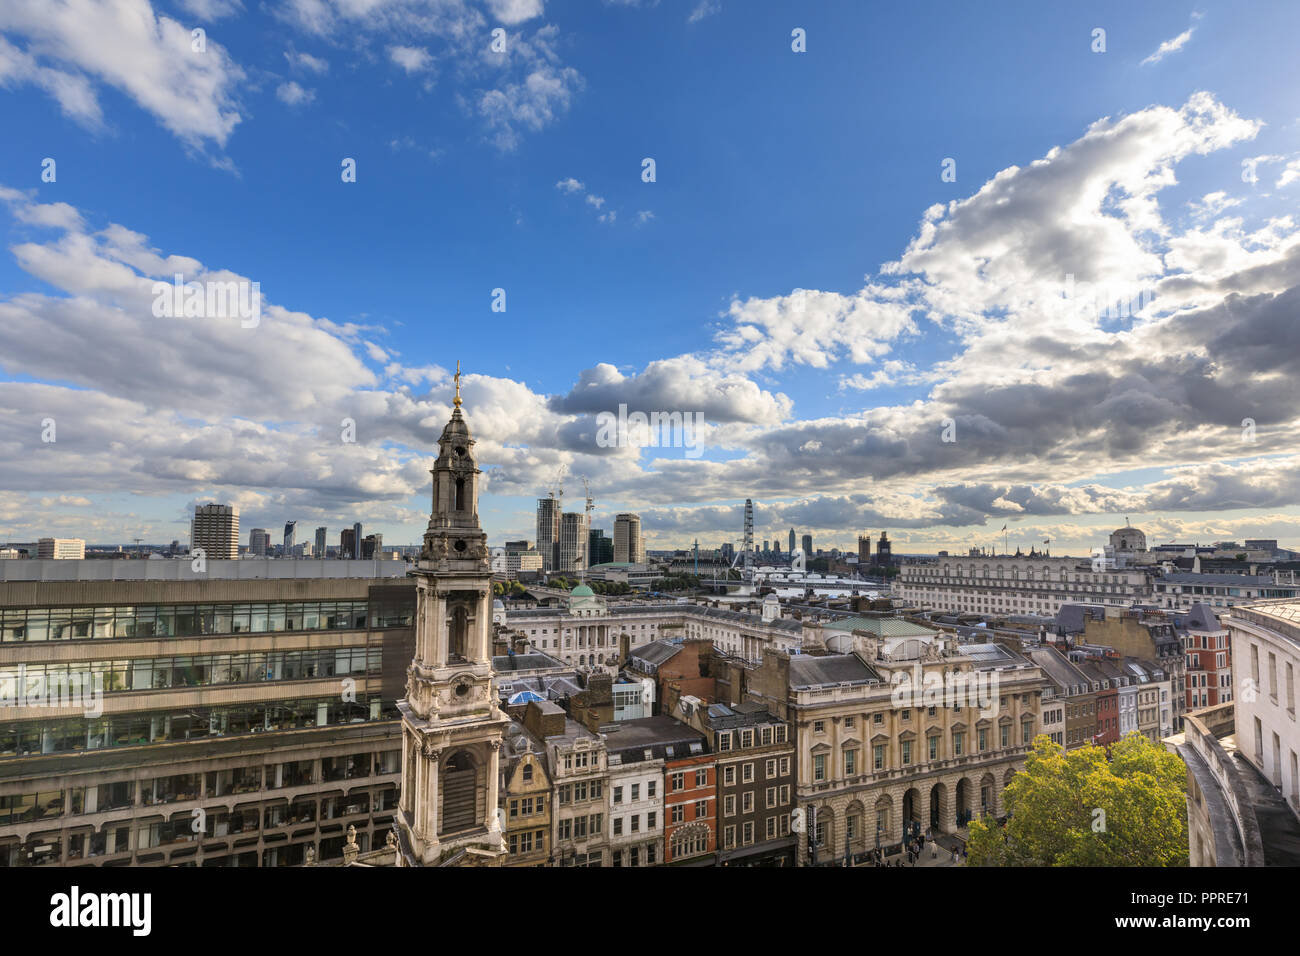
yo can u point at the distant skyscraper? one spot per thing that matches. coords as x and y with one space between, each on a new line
548 531
600 548
807 546
776 546
884 557
864 550
320 542
357 538
63 549
573 542
215 529
258 542
628 545
792 540
371 546
348 543
290 537
766 547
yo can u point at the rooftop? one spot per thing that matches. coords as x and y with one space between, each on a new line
881 626
807 671
180 569
663 736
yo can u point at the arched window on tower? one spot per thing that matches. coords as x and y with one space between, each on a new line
459 793
460 494
458 639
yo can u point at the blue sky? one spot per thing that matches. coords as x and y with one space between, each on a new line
776 171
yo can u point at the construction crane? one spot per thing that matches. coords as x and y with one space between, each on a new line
557 487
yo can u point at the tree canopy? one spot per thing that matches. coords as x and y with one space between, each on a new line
1081 808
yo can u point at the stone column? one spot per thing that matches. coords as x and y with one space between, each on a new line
438 637
948 815
493 786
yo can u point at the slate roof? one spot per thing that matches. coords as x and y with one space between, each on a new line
880 626
656 653
809 671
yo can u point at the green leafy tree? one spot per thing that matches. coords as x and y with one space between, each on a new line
1082 809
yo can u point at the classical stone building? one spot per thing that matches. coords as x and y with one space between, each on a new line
1020 584
592 633
876 756
452 726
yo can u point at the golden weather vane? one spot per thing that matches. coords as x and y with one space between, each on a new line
456 400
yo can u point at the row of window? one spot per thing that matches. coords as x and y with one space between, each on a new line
527 806
677 812
634 822
745 738
67 735
579 792
776 796
19 625
905 715
527 842
747 771
914 573
578 828
198 670
651 789
635 855
677 781
933 752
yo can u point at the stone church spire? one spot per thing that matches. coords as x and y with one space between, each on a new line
452 725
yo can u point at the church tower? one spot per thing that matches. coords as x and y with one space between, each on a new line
451 725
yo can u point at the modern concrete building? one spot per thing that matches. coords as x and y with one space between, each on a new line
600 548
629 547
215 529
548 531
259 542
61 549
573 543
256 698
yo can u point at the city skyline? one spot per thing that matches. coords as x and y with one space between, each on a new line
1090 320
